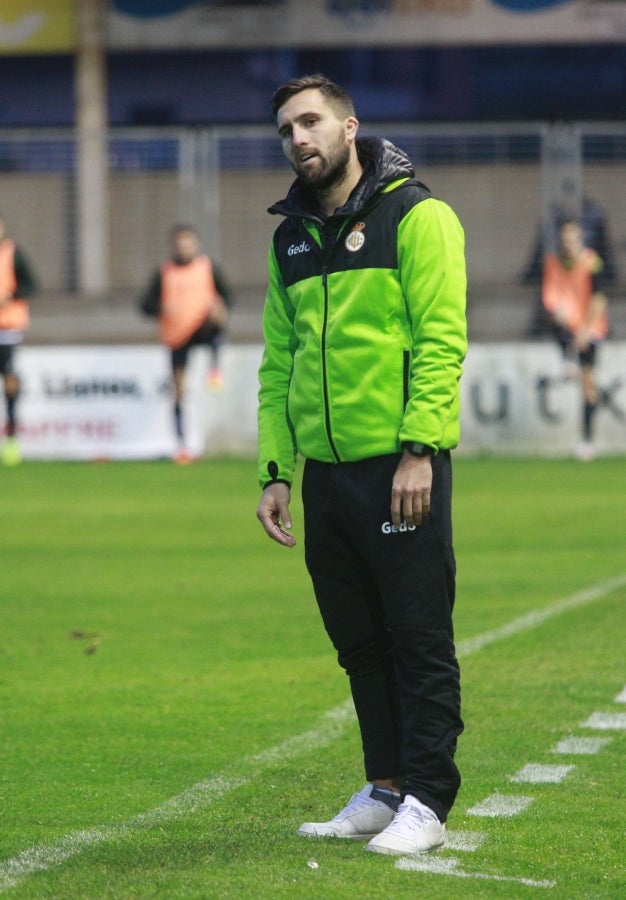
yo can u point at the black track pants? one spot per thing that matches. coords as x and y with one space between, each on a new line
386 598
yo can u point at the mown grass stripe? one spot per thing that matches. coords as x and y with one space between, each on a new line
332 726
539 616
199 796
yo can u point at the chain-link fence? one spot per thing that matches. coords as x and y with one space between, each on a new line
504 181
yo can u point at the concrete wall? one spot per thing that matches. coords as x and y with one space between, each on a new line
499 206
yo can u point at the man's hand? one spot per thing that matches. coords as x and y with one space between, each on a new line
581 338
410 490
273 513
218 315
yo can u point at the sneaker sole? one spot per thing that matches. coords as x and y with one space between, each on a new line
437 842
389 851
340 837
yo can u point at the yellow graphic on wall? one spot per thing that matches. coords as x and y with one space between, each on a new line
36 26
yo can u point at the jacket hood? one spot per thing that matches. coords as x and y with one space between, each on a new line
382 163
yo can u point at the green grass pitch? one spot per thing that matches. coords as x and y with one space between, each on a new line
172 709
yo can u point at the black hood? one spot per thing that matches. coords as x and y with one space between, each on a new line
382 163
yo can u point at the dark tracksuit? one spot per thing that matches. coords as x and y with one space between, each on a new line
386 599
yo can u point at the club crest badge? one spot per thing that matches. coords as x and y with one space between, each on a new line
355 238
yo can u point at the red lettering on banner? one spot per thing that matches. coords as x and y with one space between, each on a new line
86 429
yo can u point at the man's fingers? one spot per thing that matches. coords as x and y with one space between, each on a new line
275 518
396 508
417 508
283 537
276 532
283 516
411 508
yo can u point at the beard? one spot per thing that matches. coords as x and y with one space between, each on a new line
331 170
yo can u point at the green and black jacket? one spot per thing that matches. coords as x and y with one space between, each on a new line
364 322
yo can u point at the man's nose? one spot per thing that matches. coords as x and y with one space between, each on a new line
299 136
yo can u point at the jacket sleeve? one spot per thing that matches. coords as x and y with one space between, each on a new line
277 447
432 271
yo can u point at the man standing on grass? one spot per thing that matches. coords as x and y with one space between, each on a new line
365 336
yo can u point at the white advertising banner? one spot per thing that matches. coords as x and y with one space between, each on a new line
115 402
517 399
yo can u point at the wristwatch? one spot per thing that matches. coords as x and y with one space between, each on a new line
417 449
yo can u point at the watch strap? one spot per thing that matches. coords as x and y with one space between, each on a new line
415 448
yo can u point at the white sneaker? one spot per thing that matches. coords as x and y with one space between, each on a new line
361 819
585 451
415 829
570 370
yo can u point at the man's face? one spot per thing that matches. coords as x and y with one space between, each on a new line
185 245
315 141
571 239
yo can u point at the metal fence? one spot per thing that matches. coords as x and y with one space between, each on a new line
504 181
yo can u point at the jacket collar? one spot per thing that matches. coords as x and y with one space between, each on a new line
382 163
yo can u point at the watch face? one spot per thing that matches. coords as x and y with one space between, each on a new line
417 449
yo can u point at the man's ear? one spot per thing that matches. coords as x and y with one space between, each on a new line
352 126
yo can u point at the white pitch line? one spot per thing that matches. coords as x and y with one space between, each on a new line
533 773
621 697
606 721
581 745
199 796
450 866
539 616
467 841
500 805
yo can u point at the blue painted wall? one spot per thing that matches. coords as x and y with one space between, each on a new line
403 84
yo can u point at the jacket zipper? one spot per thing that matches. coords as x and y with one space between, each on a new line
325 368
323 348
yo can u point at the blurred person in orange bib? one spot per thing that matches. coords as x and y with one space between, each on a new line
190 297
577 307
17 283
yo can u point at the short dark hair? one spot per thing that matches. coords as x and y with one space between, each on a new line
564 220
183 228
333 93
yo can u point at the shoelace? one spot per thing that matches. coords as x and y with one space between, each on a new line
356 803
411 817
